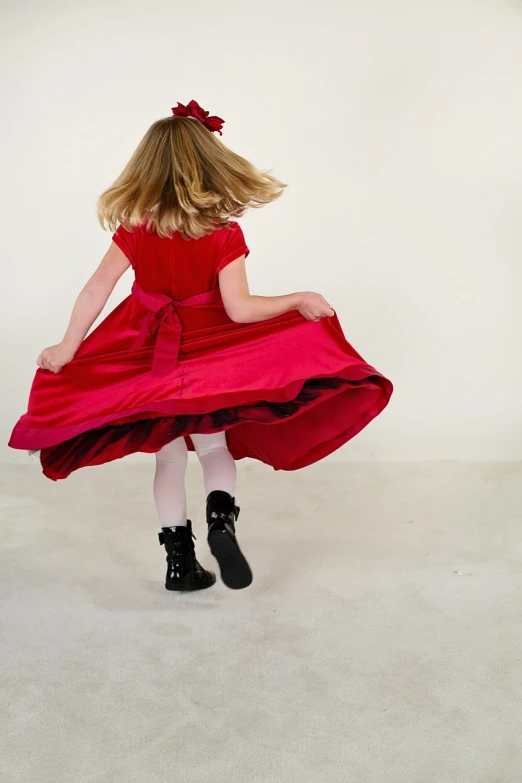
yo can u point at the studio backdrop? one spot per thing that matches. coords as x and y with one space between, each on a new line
397 126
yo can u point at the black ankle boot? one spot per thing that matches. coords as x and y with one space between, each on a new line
183 570
221 517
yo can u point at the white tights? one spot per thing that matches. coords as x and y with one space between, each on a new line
219 472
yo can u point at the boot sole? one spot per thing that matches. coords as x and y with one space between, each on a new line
186 586
182 589
235 571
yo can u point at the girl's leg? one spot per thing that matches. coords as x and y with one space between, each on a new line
183 570
219 475
169 483
219 467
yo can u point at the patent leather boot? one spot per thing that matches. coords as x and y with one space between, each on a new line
222 514
183 570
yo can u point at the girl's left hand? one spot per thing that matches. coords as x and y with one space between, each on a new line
55 357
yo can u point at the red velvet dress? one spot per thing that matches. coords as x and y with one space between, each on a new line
168 362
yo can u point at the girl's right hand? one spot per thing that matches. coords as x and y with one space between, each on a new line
314 306
54 358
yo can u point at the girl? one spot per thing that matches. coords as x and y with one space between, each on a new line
191 359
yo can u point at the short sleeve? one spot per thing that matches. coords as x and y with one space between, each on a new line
126 241
232 246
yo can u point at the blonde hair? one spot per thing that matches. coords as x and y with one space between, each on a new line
183 178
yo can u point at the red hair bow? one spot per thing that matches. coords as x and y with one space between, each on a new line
193 109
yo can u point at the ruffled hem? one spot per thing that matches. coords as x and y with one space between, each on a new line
149 432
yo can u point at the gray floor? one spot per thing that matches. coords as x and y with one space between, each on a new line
381 640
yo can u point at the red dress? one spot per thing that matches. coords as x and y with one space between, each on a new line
168 362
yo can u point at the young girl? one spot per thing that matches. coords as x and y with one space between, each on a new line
191 359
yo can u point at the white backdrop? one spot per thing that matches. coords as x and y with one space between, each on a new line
397 123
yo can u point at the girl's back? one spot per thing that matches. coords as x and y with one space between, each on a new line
179 267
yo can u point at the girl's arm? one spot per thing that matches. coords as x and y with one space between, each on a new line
89 305
243 307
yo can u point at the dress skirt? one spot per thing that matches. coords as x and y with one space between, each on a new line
287 391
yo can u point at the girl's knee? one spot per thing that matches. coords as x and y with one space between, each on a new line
175 451
206 444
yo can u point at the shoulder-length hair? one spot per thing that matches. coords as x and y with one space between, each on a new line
183 178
